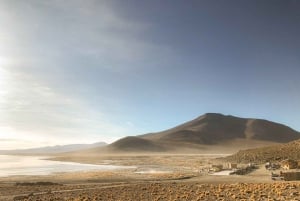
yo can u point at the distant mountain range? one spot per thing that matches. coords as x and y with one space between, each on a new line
207 132
54 149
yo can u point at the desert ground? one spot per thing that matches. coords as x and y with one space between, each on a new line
149 177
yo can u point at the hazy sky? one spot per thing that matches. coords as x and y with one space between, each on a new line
79 71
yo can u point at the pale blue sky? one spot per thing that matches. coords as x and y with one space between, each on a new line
86 71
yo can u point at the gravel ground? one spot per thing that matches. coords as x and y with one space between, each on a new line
283 191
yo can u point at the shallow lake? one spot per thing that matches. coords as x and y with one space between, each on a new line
35 165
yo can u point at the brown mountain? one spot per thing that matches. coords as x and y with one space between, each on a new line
210 132
132 143
279 152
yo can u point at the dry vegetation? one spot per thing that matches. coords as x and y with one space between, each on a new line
272 153
172 177
177 191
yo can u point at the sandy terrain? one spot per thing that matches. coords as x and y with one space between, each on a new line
155 177
165 191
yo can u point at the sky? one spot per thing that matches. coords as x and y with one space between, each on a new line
83 71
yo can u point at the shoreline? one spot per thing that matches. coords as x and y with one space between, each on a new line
139 167
179 176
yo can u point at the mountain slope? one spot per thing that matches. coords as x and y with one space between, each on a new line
133 143
279 152
54 149
215 128
210 131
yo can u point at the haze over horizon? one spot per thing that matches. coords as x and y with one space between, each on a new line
87 71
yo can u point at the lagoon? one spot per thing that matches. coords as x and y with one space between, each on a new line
37 165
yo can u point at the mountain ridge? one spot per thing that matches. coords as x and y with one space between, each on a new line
54 149
213 129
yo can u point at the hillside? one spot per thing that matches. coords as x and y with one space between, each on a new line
208 132
53 149
132 143
289 150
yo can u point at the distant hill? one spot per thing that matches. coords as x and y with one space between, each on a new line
208 132
132 143
54 149
279 152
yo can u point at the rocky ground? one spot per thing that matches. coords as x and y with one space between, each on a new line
279 152
158 177
162 191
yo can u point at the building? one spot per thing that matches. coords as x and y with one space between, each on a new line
229 166
216 168
290 176
289 164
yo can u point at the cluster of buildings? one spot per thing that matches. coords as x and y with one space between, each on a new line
225 166
289 164
290 170
231 168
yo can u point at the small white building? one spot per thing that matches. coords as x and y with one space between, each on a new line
229 166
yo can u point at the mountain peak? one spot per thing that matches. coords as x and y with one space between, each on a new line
209 133
211 114
211 117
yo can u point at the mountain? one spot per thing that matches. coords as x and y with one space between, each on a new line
54 149
133 143
279 152
211 131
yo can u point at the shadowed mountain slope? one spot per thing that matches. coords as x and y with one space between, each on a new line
133 143
211 129
214 128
